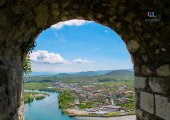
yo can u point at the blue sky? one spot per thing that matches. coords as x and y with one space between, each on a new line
74 46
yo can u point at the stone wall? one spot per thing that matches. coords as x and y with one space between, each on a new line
148 43
11 83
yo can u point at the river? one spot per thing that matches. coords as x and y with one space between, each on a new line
48 109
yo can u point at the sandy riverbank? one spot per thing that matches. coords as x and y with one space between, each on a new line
129 117
75 112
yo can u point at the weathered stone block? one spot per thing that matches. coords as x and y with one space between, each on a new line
146 70
159 85
140 82
155 87
147 102
41 15
2 2
136 70
162 107
137 98
133 46
139 113
65 4
54 12
75 6
163 70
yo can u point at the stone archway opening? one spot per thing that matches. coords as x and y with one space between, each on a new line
147 42
114 39
92 28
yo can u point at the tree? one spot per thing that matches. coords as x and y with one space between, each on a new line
27 65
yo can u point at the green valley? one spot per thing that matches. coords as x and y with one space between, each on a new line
91 94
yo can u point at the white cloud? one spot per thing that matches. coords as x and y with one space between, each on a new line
44 56
106 31
58 68
82 61
73 22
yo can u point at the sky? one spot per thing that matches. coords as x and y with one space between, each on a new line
79 45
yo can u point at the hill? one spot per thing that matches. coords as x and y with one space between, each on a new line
120 72
90 76
86 73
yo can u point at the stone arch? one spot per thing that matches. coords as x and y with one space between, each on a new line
148 43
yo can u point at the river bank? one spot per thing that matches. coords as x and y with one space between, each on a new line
31 96
31 111
83 113
45 109
74 108
129 117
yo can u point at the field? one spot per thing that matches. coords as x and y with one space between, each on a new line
87 91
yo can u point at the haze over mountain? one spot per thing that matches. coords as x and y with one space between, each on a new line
100 76
83 73
120 72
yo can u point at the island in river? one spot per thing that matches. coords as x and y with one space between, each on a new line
45 109
30 96
105 95
48 109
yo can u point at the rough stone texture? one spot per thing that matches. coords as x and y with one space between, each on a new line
147 102
21 111
137 98
148 42
41 15
163 70
140 82
160 85
162 107
139 113
147 116
10 87
146 71
133 46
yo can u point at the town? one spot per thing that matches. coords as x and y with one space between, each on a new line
96 99
87 94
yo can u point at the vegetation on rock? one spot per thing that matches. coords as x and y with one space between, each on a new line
27 65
